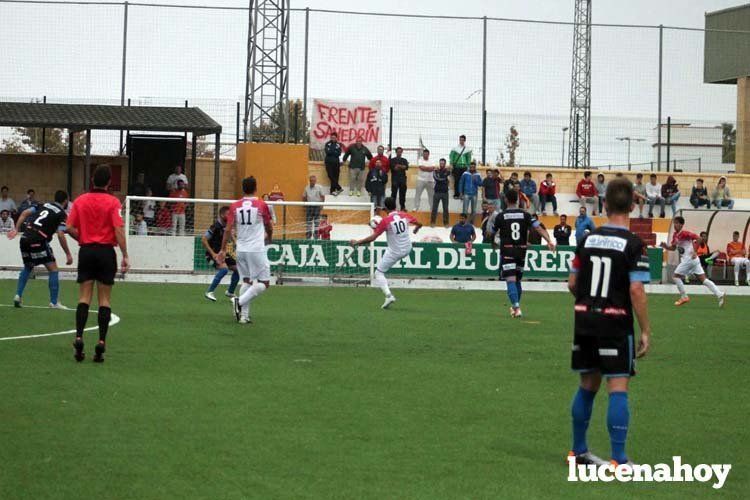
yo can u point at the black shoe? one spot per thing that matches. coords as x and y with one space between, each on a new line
236 308
99 353
78 346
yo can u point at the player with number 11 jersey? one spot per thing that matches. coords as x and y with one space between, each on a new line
251 219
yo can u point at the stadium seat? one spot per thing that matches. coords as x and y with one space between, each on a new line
722 261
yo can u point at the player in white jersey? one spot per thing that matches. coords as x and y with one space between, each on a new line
251 219
684 243
396 227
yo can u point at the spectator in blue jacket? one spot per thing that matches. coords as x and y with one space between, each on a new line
584 225
468 188
528 187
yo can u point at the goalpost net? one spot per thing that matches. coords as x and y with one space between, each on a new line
310 240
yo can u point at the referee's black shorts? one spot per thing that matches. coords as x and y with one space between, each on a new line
97 263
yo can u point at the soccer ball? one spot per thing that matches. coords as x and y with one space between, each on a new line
375 221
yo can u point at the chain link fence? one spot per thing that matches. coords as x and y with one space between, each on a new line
428 69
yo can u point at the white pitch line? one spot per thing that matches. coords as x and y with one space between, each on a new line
113 321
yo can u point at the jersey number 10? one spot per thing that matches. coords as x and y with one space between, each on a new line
600 273
399 226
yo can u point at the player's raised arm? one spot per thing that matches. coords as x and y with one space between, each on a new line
379 229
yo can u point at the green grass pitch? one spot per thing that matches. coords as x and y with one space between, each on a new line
327 396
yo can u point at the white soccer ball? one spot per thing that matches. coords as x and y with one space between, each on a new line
375 221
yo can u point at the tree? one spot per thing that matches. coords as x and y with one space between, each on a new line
728 142
29 140
512 143
273 130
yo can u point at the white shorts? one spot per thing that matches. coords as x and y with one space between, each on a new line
742 261
390 259
689 267
254 266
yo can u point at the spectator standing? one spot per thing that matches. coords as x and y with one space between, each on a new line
6 202
468 188
587 193
149 210
721 196
332 162
528 187
163 218
178 175
141 228
601 191
178 209
547 194
399 166
325 228
6 221
138 188
670 191
460 158
425 181
312 193
375 184
562 231
653 196
699 195
359 154
441 193
385 163
737 256
491 189
584 225
28 202
464 233
639 194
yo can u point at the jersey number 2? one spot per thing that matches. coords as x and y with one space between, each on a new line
42 216
600 273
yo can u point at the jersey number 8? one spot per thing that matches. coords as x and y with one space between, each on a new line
515 231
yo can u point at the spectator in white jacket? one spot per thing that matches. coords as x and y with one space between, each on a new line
425 182
653 197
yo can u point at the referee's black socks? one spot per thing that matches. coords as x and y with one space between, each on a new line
82 315
105 313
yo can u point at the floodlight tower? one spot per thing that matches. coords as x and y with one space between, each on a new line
267 79
579 143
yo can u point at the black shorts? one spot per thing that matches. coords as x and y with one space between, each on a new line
512 261
611 356
97 263
35 251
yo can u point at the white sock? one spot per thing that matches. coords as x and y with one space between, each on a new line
244 311
737 267
680 286
712 286
252 292
381 281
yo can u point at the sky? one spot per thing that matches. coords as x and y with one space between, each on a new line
426 68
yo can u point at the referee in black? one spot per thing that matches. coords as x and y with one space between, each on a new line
96 223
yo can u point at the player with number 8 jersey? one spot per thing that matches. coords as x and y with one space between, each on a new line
251 219
396 227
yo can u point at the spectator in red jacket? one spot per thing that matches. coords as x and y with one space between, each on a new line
385 163
547 192
587 193
324 228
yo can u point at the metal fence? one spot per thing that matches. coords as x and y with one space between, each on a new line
429 69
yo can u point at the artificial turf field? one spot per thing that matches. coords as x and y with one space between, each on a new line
327 396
